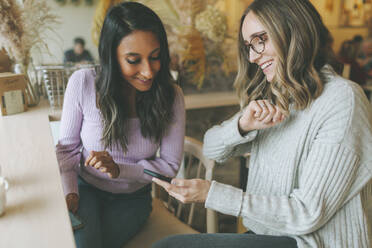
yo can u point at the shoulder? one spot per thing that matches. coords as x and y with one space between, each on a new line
341 109
86 53
339 92
178 91
178 105
82 80
84 75
178 96
69 52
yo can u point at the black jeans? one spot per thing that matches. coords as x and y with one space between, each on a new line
226 240
110 220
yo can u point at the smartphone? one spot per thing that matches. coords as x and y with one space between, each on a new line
157 175
76 221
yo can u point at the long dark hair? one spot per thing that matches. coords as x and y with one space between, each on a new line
303 46
154 107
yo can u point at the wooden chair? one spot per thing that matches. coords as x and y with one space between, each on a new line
346 71
244 167
163 222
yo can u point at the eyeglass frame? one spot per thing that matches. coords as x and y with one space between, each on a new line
250 45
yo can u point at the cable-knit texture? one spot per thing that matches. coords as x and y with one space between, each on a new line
309 177
81 132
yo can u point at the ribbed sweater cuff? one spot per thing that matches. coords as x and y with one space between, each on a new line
69 182
219 194
231 135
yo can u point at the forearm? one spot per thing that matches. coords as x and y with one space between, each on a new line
69 182
134 171
224 141
307 208
68 157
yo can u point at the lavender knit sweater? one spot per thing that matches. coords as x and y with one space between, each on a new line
81 131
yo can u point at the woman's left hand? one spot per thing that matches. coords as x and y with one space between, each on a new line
186 190
103 162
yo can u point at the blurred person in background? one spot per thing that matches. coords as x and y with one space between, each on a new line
348 54
78 54
365 57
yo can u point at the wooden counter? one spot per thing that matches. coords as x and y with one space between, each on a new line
36 213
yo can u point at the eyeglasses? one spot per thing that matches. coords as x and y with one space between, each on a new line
257 43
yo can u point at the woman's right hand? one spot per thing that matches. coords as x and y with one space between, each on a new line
72 201
259 114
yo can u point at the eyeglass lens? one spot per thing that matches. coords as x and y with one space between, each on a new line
258 44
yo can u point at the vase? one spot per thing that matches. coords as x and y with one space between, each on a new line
33 98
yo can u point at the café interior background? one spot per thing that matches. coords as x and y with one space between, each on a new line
76 20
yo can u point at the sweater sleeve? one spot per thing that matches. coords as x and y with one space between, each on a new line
326 179
69 143
224 141
321 192
171 148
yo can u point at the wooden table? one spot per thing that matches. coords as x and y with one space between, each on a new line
36 213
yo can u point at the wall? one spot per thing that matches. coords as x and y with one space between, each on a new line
331 19
75 21
233 10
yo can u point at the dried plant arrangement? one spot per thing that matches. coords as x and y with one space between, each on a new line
99 16
76 2
11 29
38 23
23 29
185 41
196 31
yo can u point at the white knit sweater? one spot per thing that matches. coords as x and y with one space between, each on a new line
309 176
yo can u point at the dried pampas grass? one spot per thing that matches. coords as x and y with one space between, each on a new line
11 29
38 22
23 27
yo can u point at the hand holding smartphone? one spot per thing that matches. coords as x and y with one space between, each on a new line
157 175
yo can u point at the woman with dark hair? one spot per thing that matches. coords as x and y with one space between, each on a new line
309 132
114 122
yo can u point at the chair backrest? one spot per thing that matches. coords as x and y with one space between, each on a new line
54 79
196 165
346 71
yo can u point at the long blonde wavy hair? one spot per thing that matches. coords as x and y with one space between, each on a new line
303 46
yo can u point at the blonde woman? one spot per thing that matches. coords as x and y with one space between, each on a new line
309 134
